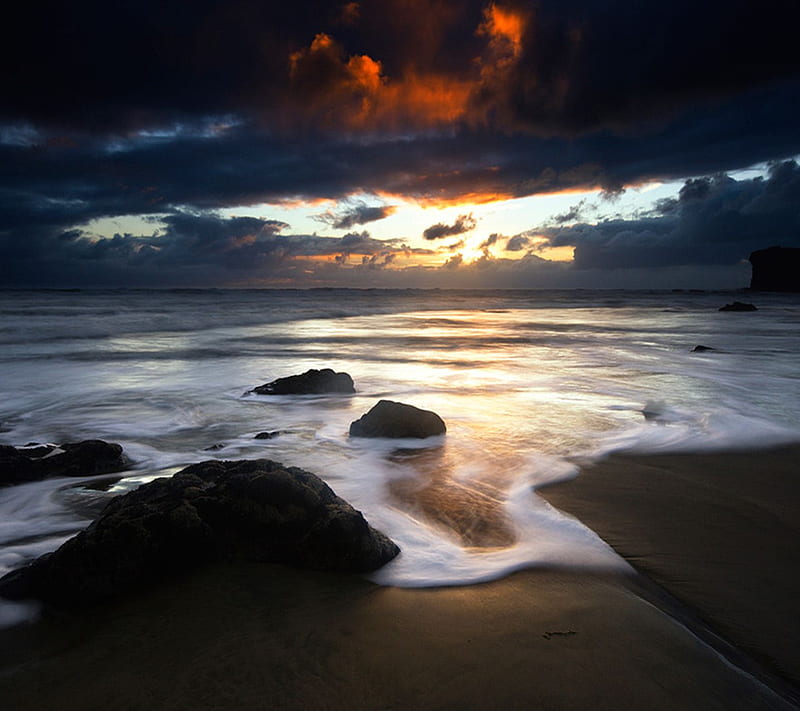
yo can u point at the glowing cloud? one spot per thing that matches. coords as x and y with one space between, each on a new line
354 92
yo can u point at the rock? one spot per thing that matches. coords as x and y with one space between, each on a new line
312 382
268 435
702 349
396 419
776 269
738 306
255 510
73 459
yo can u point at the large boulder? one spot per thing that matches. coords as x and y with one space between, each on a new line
397 420
73 459
253 510
776 269
312 382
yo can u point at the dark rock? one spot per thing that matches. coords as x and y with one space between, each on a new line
312 382
268 435
702 349
73 459
776 269
396 419
738 306
254 510
214 447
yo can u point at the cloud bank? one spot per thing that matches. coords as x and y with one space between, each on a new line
701 239
184 109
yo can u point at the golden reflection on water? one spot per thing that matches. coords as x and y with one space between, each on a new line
472 510
501 386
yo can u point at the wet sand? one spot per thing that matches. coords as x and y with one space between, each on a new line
250 636
720 532
262 637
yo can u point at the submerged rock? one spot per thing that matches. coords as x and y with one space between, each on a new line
397 420
702 349
46 461
312 382
738 306
253 510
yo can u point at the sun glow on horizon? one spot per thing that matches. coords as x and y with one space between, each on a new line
386 233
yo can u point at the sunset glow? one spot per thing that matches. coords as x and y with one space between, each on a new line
407 142
399 354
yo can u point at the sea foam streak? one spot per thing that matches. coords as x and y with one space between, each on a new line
526 382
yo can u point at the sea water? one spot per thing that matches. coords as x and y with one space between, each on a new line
528 382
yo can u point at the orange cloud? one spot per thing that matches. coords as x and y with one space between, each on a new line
504 27
354 92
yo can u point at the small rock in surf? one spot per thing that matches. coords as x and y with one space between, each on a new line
47 461
397 420
738 306
312 382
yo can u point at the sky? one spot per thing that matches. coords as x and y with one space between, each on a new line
397 143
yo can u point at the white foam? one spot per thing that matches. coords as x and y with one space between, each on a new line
515 375
546 539
675 430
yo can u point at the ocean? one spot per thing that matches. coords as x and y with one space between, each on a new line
529 383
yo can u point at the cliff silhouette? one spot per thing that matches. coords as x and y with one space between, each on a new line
776 269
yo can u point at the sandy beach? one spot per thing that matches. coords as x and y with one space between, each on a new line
248 637
718 532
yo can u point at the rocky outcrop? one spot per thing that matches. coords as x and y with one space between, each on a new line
73 459
776 269
397 420
312 382
255 510
738 306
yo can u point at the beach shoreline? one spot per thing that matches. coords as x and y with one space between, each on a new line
256 636
719 532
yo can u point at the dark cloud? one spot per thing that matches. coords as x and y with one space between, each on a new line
489 242
359 213
91 177
194 249
589 65
714 221
463 223
574 213
173 108
517 243
554 67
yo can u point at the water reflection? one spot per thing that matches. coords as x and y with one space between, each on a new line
473 510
